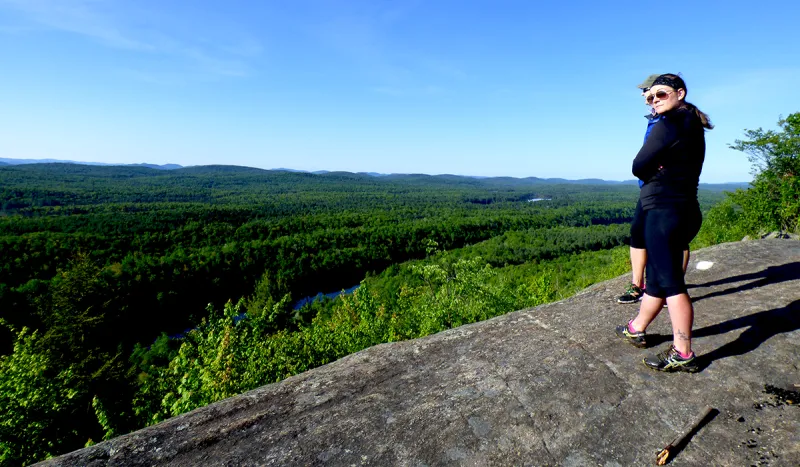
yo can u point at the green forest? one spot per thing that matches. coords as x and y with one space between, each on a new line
129 294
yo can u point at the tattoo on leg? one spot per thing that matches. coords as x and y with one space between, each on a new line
682 335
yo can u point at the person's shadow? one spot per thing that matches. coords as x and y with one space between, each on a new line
760 327
770 275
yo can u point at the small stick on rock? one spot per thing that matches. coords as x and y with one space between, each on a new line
672 448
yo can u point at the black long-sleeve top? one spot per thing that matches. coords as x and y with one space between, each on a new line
671 160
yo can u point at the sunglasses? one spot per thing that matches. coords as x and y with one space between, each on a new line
661 94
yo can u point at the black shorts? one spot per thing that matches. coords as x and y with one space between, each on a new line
668 232
637 228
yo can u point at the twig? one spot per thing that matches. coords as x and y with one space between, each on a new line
684 435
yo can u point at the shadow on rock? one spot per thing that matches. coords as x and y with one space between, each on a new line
655 340
761 326
770 275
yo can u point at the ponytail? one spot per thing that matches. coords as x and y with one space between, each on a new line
700 114
676 82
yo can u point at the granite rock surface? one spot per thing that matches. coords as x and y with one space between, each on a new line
545 386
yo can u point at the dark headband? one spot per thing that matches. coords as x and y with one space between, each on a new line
668 81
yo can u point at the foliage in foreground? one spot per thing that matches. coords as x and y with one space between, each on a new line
228 355
34 396
773 200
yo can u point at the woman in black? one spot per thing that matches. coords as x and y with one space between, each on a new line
669 164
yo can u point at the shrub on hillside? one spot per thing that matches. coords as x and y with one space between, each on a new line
228 354
773 200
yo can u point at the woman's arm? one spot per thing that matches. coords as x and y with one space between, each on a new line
647 163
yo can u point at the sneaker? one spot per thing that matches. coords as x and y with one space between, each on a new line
632 295
636 339
670 360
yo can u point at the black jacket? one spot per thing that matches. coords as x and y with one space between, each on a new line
671 159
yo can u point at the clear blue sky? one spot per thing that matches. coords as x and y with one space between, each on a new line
517 88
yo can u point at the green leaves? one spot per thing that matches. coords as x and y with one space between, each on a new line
228 354
776 152
773 200
36 397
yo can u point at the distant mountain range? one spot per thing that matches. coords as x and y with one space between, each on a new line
506 180
4 161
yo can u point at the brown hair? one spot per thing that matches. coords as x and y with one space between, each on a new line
676 83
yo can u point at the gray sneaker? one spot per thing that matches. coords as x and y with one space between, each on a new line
636 339
670 360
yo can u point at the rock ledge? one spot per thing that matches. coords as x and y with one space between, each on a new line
544 386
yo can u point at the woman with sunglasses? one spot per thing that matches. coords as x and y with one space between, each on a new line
638 254
669 164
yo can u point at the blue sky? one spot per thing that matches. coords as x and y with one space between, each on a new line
501 87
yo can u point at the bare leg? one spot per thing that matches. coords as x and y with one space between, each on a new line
638 262
681 314
649 309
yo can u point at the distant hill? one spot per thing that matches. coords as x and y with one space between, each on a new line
283 169
67 168
588 181
38 161
159 167
221 169
413 177
4 161
725 186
